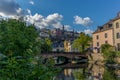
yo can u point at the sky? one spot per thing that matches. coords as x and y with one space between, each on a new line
78 15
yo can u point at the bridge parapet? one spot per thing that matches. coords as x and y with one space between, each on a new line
64 54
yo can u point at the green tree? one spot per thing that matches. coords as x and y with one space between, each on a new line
82 42
108 52
109 74
17 39
79 74
106 48
21 44
46 45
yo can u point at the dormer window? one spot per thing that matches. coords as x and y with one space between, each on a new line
109 25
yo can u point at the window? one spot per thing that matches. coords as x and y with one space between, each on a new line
105 35
106 42
97 44
98 50
97 37
117 35
117 25
109 25
118 46
100 28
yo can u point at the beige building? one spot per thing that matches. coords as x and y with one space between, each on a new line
108 33
102 35
67 46
116 29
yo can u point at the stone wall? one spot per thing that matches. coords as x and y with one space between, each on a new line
97 57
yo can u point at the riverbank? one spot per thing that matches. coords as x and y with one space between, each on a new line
96 58
95 69
99 58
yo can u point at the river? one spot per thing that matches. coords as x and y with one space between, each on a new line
88 71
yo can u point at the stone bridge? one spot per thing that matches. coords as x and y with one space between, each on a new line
69 55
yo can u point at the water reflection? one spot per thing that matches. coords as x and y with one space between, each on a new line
95 71
91 71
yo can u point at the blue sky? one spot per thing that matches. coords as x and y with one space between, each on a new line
80 15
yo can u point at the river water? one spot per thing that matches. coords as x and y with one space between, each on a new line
88 71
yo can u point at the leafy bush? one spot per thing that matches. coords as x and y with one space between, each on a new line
109 75
20 44
106 48
108 52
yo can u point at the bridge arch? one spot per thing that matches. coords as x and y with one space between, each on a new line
67 55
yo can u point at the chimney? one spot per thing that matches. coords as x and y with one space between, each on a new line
118 14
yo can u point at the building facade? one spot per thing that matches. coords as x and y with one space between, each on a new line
67 46
108 33
116 28
102 36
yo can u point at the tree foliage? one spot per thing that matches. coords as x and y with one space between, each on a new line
109 74
46 45
82 42
20 44
79 74
108 52
17 39
106 47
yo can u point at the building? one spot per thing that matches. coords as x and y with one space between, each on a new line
58 36
108 33
67 46
44 33
62 39
102 35
116 29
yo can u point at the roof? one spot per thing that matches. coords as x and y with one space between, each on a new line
108 25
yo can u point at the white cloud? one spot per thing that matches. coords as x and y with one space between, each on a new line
10 8
51 21
29 11
83 21
79 31
88 31
67 27
31 2
19 10
35 19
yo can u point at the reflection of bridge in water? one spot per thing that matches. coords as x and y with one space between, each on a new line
71 65
70 71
